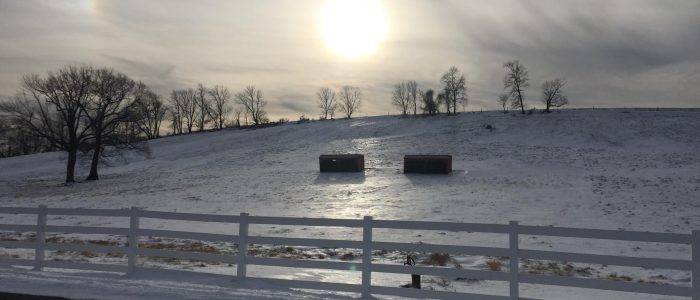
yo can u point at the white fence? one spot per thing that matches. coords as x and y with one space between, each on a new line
367 244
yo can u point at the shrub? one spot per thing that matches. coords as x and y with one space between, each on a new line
439 259
347 256
494 265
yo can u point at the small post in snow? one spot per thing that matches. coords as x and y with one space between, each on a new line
367 257
415 278
242 246
133 238
513 260
695 239
40 239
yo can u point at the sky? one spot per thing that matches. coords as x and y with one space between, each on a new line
612 53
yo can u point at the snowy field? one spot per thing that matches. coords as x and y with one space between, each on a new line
606 169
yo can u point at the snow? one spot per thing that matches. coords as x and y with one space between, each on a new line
607 169
151 284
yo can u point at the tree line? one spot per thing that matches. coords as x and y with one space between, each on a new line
407 96
92 110
89 110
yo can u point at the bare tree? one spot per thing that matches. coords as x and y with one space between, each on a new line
203 106
553 94
350 99
517 81
252 100
220 108
326 102
503 101
152 110
237 113
400 98
50 107
430 105
455 89
17 140
188 101
412 91
176 112
442 99
114 96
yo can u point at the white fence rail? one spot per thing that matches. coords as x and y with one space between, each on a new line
367 244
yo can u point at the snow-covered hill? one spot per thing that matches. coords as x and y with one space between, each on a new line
604 169
610 169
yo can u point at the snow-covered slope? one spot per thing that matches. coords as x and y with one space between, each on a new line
610 169
603 168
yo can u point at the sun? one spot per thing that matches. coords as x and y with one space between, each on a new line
353 28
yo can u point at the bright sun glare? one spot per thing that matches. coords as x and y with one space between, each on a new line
353 28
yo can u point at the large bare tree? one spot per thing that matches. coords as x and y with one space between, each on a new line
553 94
50 107
516 81
455 89
113 101
220 108
252 100
152 110
400 98
326 102
350 99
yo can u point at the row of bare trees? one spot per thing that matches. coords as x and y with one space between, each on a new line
201 108
347 100
406 95
87 109
517 80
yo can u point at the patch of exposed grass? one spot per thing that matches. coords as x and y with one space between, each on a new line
494 265
437 259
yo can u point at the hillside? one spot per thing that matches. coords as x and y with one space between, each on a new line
611 169
559 169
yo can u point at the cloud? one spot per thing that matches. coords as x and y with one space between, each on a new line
160 76
246 69
612 53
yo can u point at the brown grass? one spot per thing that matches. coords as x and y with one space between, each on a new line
437 259
347 256
494 265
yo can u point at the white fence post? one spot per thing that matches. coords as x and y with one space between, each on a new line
40 239
367 257
133 238
696 264
242 246
513 260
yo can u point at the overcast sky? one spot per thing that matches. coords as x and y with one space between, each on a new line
612 53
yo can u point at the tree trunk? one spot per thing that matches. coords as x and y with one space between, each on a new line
95 159
522 107
70 166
